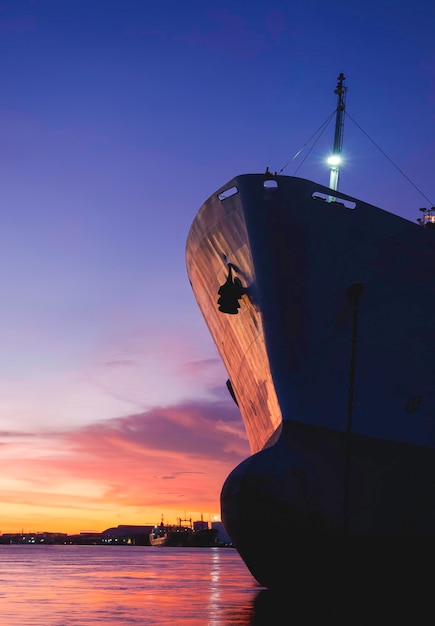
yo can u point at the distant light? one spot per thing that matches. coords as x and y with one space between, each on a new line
334 160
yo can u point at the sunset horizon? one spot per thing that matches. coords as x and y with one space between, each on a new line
117 122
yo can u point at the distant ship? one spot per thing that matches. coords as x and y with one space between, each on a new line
321 307
183 535
159 536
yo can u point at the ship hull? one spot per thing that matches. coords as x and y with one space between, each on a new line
329 351
332 507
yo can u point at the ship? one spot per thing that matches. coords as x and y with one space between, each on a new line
320 306
183 534
159 536
172 535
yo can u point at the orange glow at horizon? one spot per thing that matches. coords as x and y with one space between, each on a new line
169 461
40 519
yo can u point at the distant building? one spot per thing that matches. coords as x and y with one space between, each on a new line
125 534
33 538
200 525
84 539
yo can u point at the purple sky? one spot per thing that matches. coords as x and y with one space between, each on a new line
117 120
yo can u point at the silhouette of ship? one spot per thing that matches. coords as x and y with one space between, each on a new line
320 307
183 535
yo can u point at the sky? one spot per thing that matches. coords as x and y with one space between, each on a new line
117 121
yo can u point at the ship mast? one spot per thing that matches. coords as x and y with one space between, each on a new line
335 159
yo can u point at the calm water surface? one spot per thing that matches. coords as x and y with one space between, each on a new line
90 585
116 586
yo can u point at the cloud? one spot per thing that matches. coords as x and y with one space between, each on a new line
167 460
14 434
204 429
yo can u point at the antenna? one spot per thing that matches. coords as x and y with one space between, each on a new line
335 158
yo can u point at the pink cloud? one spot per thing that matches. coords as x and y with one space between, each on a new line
172 458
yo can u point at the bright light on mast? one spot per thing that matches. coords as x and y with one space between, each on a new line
335 159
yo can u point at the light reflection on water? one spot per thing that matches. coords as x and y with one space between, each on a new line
92 585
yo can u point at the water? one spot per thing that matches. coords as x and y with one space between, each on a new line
93 585
145 586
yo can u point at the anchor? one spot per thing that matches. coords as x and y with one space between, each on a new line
230 293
